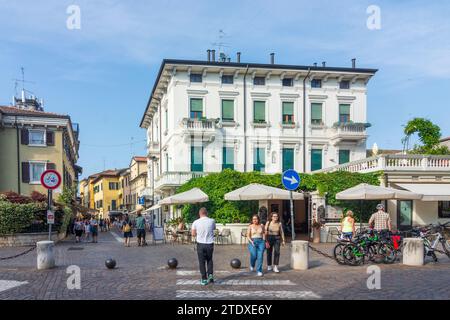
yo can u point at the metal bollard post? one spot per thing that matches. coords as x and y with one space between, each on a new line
299 255
413 252
45 255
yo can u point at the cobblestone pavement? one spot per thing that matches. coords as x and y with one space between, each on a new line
141 273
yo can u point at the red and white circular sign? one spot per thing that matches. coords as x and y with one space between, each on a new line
51 179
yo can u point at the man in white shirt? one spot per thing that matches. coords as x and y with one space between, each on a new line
203 230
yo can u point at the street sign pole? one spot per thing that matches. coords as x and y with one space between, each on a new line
49 208
292 215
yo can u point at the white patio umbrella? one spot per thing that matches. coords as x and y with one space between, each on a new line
256 191
366 191
195 195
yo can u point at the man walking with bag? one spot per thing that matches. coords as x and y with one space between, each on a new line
203 230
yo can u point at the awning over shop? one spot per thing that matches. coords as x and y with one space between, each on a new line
431 192
256 191
195 195
152 208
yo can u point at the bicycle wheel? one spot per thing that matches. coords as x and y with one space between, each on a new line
388 252
338 253
374 254
353 255
446 247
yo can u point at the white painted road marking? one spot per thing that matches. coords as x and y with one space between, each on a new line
9 284
239 282
197 273
219 294
117 237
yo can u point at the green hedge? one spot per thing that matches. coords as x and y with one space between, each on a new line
14 217
216 185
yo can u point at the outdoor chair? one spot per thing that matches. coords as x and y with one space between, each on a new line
225 234
243 235
217 236
334 233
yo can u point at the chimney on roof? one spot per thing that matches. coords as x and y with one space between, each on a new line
354 63
315 64
238 57
272 58
208 55
213 55
228 59
324 64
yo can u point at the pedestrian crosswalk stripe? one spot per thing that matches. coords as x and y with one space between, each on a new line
197 273
117 237
9 284
220 294
235 282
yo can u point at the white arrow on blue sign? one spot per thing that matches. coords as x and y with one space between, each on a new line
290 179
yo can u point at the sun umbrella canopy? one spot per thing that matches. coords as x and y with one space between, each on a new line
366 191
195 195
255 191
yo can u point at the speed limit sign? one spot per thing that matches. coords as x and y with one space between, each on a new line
51 179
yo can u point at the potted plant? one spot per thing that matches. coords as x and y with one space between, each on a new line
316 231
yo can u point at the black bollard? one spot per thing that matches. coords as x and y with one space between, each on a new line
235 263
110 263
172 263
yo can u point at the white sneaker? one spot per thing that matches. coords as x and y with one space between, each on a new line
252 269
260 274
269 268
275 269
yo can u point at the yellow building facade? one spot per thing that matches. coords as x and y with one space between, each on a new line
32 141
106 192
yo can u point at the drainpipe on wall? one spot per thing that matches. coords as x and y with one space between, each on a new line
304 120
245 119
18 155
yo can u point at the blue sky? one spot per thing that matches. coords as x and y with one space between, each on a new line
102 74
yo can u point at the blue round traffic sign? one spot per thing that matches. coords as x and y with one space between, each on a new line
290 179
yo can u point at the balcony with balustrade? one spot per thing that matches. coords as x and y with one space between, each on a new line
202 128
153 149
395 163
169 180
349 132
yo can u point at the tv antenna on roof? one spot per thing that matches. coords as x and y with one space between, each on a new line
16 82
221 45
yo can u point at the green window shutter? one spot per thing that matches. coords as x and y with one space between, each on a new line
344 156
196 158
228 158
316 159
288 108
316 113
259 159
259 111
227 110
288 159
344 109
196 105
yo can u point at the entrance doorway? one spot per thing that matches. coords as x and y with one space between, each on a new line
404 214
282 207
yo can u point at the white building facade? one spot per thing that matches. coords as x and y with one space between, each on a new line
206 116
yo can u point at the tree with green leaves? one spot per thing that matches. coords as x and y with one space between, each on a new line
429 135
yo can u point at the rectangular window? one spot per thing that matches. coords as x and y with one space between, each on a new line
196 77
36 170
288 159
344 156
227 79
228 158
227 110
259 111
166 118
316 114
196 158
287 82
37 137
196 108
288 112
316 83
344 84
444 209
259 81
259 159
404 214
344 113
113 204
316 159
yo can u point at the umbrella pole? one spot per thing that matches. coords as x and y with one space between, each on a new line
360 215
